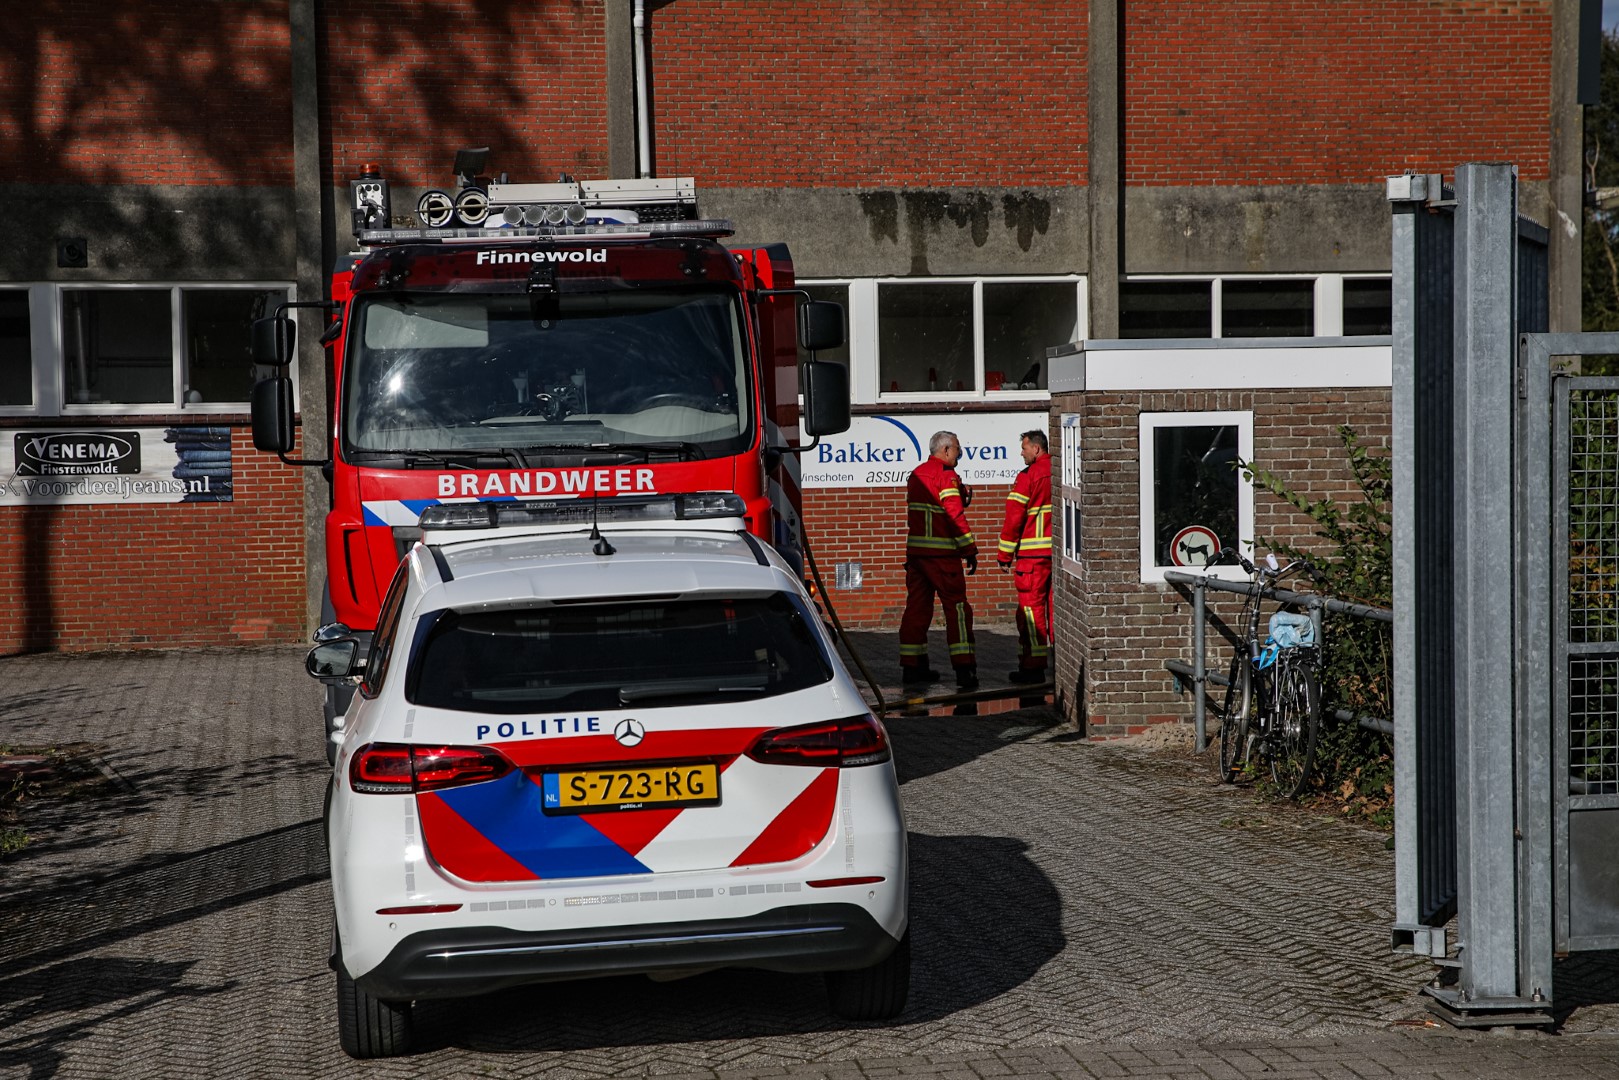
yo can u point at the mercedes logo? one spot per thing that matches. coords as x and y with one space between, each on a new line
629 732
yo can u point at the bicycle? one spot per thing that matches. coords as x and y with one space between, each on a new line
1272 706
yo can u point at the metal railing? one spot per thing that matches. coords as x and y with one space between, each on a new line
1200 677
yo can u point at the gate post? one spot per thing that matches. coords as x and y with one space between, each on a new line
1484 368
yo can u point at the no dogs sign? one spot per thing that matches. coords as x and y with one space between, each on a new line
1195 545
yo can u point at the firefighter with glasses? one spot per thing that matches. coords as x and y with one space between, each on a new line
939 541
1025 552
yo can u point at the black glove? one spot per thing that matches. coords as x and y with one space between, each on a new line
972 563
1005 565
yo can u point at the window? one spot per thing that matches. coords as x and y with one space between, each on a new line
1165 309
117 345
1070 486
129 348
960 338
16 363
1368 306
1305 305
925 337
644 653
1267 308
1194 500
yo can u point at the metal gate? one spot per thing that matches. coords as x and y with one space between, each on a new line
1506 549
1585 663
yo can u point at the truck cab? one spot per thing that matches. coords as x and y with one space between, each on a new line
614 348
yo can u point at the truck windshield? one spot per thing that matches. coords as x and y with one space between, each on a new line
644 653
463 371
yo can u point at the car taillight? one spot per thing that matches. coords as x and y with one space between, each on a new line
386 769
855 740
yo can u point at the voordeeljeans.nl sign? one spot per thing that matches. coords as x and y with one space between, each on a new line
191 463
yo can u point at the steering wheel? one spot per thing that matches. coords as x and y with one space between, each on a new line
695 401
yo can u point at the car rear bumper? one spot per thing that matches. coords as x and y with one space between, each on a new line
463 961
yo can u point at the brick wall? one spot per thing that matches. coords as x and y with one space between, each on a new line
1259 92
867 525
158 574
1118 631
160 92
407 85
870 93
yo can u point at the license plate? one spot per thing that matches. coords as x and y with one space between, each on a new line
640 788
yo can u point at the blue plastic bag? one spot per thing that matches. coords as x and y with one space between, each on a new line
1289 631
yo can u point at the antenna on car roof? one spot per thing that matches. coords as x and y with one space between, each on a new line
601 547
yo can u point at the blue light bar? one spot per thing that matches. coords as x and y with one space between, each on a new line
618 510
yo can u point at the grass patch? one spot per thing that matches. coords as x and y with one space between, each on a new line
29 774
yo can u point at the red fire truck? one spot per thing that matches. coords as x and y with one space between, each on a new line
550 341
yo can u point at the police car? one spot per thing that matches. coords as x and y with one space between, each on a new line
603 739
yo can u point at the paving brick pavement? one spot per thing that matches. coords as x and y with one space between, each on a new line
1081 910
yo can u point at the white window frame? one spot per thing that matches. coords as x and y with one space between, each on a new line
1328 315
49 354
1150 422
1069 441
865 378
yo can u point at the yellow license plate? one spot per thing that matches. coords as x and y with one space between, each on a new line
637 788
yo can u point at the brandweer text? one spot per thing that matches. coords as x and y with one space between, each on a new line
565 481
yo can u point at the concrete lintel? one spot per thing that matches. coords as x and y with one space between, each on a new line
156 232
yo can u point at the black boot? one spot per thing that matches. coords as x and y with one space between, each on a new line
966 679
1027 676
917 676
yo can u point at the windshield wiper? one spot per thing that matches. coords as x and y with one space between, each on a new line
448 459
691 688
686 451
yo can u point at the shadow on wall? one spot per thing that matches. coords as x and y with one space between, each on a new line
35 611
98 135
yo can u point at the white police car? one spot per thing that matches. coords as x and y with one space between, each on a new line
582 749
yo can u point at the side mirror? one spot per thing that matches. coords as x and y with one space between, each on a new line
273 339
820 325
826 396
272 414
339 659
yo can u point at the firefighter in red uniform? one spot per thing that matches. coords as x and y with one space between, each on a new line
939 541
1025 550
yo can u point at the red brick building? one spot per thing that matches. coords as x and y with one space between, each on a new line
976 182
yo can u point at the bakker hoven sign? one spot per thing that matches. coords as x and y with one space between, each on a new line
881 451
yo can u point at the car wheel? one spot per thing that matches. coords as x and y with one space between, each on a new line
874 993
366 1026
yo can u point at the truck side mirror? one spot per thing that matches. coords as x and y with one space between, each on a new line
826 395
820 325
273 339
272 413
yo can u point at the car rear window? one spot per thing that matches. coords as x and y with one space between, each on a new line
641 653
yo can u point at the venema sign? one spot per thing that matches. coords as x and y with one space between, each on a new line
881 450
139 465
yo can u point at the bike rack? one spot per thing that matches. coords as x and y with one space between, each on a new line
1197 670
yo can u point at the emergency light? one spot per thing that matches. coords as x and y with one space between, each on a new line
620 510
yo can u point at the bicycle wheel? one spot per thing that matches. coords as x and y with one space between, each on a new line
1239 699
1297 725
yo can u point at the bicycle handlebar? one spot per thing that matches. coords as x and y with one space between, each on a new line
1232 554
